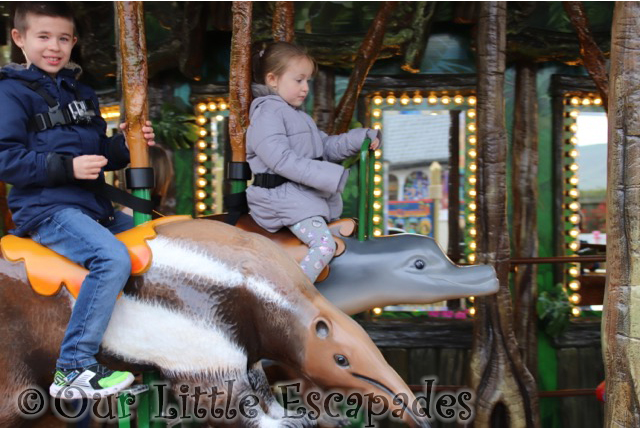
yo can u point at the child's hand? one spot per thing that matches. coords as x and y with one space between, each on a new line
374 144
147 133
88 167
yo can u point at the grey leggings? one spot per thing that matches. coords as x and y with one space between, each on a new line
314 232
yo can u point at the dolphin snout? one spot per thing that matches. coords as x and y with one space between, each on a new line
476 280
486 277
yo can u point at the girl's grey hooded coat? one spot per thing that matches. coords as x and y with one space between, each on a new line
284 140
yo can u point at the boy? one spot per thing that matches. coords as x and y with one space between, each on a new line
52 148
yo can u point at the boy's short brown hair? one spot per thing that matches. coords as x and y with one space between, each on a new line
53 9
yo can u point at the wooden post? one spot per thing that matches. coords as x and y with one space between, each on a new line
621 321
239 92
133 49
524 158
505 391
283 22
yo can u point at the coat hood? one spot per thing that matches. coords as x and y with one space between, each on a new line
263 93
33 73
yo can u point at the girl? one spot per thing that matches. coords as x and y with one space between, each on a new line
296 182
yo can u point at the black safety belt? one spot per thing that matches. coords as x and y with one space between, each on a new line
69 115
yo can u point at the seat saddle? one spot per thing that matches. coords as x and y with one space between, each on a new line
47 270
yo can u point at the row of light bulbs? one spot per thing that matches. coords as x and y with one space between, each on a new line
572 194
417 99
204 185
472 180
211 105
583 101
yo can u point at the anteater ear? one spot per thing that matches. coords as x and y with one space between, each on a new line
322 329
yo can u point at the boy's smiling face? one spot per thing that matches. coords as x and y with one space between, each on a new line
47 42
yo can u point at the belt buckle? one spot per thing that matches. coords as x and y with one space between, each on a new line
106 220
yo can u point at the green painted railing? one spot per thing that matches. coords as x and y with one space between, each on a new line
366 172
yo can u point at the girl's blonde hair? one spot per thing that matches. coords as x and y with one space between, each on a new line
275 58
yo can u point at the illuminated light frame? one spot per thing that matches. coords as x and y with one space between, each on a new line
111 112
571 204
208 166
379 100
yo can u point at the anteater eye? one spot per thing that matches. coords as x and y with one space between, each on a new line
341 360
419 264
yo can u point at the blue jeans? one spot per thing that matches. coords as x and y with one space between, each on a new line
78 237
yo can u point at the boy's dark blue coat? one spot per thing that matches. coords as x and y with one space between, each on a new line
39 164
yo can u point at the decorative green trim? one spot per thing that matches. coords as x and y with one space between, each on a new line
365 173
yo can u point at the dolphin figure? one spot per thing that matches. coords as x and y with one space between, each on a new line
400 269
214 303
396 269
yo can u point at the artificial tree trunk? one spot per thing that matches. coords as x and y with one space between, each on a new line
525 232
592 57
194 28
240 79
283 22
506 393
365 58
324 95
621 321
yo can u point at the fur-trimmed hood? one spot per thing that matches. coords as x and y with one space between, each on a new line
31 73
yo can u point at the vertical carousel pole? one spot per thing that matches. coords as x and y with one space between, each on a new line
139 177
133 49
239 94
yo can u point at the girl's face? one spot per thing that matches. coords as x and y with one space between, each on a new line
293 84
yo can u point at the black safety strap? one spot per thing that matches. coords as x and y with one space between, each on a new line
236 205
56 115
271 181
36 87
120 196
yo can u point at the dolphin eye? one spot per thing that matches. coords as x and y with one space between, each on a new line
341 360
322 329
419 264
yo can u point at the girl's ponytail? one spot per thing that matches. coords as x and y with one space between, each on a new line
257 66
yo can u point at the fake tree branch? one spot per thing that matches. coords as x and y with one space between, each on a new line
592 57
283 23
240 78
365 58
421 25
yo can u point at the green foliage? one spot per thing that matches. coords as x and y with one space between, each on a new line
554 310
175 126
